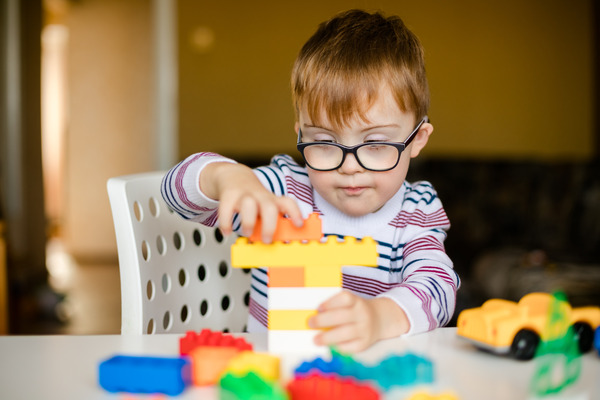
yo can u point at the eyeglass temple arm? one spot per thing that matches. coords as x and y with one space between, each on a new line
415 131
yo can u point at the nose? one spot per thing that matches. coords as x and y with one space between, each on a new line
350 165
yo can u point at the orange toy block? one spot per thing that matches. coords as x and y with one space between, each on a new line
286 277
209 363
286 231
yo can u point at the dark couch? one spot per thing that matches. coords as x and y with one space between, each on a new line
520 226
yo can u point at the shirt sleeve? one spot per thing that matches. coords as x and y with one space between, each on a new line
428 284
180 188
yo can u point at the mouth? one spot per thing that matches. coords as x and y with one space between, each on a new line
353 190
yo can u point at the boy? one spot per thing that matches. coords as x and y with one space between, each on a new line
361 98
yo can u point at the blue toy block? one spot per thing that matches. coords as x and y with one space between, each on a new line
406 370
395 370
597 340
144 375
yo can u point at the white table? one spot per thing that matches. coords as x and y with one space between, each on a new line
65 367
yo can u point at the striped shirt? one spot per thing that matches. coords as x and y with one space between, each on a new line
413 269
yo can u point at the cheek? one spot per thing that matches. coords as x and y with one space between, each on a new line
322 182
318 178
392 181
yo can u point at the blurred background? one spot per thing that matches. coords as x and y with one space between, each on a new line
91 89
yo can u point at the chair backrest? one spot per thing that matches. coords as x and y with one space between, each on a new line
175 274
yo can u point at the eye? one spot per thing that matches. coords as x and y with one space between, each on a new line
377 137
324 141
321 139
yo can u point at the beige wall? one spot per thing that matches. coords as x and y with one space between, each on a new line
110 105
509 79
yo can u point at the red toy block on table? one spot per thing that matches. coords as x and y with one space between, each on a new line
320 387
286 231
207 337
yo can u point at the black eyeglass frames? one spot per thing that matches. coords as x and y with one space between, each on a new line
372 156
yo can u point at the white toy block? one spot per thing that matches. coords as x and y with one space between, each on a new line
282 342
300 298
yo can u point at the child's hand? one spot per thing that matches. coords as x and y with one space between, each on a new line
238 190
352 323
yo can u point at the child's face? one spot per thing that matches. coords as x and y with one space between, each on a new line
352 189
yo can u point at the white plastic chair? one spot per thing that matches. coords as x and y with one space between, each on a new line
175 274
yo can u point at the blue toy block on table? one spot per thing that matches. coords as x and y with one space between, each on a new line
597 340
395 370
144 375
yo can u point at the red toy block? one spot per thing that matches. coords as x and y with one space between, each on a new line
206 337
286 231
319 387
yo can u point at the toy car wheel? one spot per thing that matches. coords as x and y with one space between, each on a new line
524 344
584 335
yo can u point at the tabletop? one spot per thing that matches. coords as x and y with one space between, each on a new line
66 367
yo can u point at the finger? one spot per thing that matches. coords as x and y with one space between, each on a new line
248 214
268 216
337 336
340 300
225 217
346 339
288 206
332 318
353 346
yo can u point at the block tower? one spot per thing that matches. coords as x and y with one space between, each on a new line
304 271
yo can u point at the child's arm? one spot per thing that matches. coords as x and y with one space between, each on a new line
209 188
424 297
238 190
427 296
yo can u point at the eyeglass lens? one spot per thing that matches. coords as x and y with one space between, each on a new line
370 156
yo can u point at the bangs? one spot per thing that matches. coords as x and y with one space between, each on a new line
340 97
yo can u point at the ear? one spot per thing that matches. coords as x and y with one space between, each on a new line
297 127
420 139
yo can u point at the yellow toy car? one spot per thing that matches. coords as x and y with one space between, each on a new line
515 329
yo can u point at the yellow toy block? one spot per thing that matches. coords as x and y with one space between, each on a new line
322 276
292 320
263 364
322 261
293 254
427 396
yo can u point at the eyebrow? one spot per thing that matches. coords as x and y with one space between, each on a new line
369 128
317 126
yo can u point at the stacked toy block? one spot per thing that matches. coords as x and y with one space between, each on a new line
303 272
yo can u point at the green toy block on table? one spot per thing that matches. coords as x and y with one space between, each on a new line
249 387
558 358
